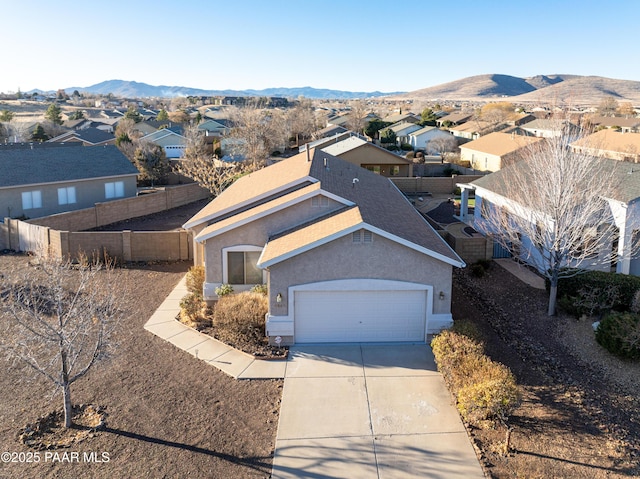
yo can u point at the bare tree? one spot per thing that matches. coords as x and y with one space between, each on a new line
58 319
357 116
256 133
199 164
302 121
443 145
552 210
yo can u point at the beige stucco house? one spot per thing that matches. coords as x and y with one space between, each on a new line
345 256
495 150
611 144
362 153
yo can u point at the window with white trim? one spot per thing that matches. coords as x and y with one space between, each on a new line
67 196
31 199
114 189
242 267
320 201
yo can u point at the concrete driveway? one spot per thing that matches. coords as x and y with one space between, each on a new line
369 411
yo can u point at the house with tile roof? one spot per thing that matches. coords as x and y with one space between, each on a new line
495 150
615 145
44 179
365 154
492 197
345 256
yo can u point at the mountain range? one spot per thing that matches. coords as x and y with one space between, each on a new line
548 89
554 89
132 89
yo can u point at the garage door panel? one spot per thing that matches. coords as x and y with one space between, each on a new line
359 316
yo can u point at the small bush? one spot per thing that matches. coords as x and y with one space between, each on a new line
491 395
195 280
601 282
484 389
223 290
477 270
260 288
242 315
410 155
466 328
406 147
192 311
619 333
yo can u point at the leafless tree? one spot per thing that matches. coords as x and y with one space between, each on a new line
556 215
357 116
443 145
256 133
199 164
302 121
58 319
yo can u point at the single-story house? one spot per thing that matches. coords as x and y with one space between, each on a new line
360 152
420 139
44 179
472 129
611 144
171 142
402 117
548 128
344 255
87 136
626 125
402 131
454 118
492 197
495 150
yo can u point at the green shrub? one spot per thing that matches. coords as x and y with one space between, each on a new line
223 290
260 288
195 280
599 285
406 147
619 333
242 315
477 270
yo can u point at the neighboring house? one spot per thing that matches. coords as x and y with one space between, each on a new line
359 152
549 128
171 142
339 133
472 129
215 128
495 150
402 131
492 197
420 139
611 144
41 180
454 119
345 256
402 117
86 136
626 125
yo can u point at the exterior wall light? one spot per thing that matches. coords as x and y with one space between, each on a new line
279 298
441 295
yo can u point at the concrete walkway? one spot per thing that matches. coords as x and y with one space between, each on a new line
236 364
370 411
521 272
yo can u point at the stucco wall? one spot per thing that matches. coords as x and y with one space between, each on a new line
88 192
257 233
342 259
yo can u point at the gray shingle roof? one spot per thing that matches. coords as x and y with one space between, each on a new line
48 164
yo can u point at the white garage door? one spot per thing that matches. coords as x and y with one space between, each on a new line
359 316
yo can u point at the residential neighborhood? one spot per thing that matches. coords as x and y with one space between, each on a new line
300 260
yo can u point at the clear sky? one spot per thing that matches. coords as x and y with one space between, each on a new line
354 45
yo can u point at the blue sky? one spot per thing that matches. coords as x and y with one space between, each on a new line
337 44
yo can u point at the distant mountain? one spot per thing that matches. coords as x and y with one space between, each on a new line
132 89
573 89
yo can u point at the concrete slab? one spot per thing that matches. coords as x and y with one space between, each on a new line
172 305
160 317
409 405
233 362
325 361
166 330
436 456
261 369
323 407
209 350
187 339
325 458
398 360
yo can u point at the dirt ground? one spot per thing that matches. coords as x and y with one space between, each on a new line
580 415
169 414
